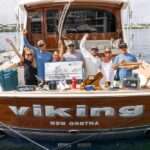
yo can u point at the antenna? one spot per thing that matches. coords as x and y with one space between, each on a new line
129 26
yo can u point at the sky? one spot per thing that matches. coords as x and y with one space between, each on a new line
140 9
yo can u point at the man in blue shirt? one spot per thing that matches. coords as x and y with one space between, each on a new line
123 57
41 55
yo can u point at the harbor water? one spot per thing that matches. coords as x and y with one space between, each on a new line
138 143
141 43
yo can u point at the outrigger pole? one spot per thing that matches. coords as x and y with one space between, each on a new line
129 25
62 19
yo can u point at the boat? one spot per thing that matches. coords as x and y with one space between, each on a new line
75 114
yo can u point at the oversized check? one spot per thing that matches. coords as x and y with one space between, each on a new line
63 70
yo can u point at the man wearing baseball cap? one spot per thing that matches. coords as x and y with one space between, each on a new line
41 55
123 57
92 61
72 54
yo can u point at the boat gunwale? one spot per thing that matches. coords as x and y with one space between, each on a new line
73 95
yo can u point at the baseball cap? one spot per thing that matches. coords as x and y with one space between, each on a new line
40 42
123 45
70 43
94 47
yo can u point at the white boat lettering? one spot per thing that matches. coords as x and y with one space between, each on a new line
21 111
50 111
57 123
80 111
86 123
109 111
131 111
76 123
37 110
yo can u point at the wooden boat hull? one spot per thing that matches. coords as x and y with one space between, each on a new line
76 115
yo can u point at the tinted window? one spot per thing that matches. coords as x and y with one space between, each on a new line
52 21
36 22
81 21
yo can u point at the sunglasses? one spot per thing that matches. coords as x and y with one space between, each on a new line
30 54
123 47
107 52
94 49
41 45
70 45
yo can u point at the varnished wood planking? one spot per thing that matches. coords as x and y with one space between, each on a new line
30 121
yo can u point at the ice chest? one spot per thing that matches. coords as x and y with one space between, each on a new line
8 79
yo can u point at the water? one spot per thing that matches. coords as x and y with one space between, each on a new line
141 43
139 143
3 44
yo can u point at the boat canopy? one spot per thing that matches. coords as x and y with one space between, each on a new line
35 2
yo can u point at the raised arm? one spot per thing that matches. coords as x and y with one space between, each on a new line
15 50
26 43
84 51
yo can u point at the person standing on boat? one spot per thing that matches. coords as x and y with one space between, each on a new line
92 61
41 55
107 66
58 54
72 54
29 64
123 57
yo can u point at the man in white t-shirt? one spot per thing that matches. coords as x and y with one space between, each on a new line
92 61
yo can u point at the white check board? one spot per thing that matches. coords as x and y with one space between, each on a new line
63 70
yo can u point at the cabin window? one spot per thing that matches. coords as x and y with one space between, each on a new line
36 23
52 21
87 21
